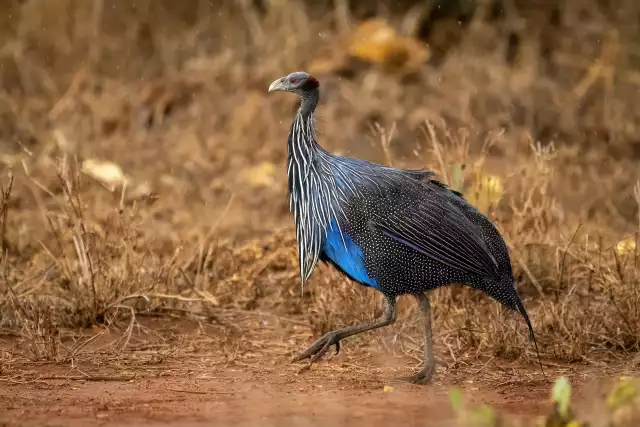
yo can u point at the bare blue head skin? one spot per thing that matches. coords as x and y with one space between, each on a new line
303 85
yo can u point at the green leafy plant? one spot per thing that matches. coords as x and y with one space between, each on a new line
477 416
561 395
623 403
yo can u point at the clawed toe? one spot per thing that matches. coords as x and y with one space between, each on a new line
319 348
420 378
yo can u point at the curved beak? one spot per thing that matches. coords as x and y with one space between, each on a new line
277 85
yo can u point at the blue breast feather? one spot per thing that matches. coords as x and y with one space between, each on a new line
349 259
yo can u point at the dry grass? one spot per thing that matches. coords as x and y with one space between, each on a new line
175 95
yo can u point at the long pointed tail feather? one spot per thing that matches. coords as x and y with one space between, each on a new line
507 294
532 335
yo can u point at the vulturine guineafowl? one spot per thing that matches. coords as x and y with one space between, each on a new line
397 231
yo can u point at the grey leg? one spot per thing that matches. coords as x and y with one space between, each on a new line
322 345
425 375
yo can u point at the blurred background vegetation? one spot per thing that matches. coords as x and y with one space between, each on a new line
561 72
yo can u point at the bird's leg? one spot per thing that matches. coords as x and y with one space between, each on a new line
322 345
425 375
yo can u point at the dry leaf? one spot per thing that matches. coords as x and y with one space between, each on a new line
376 41
262 175
142 191
626 246
107 173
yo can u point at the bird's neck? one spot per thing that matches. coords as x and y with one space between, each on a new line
309 102
302 147
307 197
302 135
304 153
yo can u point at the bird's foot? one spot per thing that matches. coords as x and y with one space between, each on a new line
320 347
421 378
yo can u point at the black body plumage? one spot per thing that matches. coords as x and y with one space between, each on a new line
399 231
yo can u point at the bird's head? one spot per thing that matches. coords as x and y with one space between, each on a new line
300 83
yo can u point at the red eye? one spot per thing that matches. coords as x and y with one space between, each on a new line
292 80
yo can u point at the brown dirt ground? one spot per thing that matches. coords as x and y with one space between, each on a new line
183 373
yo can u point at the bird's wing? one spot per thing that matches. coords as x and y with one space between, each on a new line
426 176
419 174
437 228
